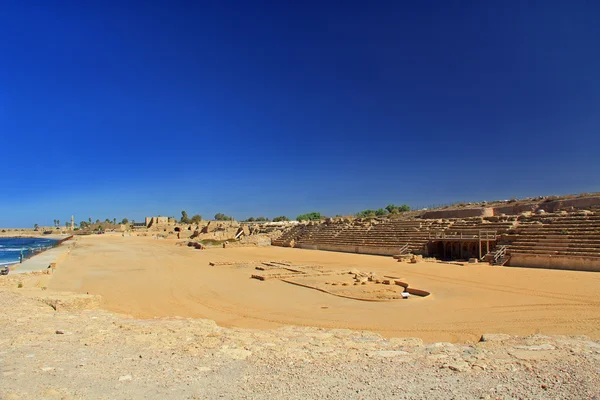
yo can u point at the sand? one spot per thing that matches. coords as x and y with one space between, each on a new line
148 278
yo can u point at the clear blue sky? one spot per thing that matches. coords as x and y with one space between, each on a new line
127 109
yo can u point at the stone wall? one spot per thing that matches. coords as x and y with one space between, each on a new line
156 221
373 250
514 209
459 213
582 203
555 262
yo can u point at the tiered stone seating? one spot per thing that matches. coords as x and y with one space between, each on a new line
394 233
321 234
398 234
572 235
557 235
472 227
293 234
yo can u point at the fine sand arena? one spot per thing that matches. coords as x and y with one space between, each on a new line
147 278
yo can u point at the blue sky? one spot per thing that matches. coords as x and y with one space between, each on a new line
126 109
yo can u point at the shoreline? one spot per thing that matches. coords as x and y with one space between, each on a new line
33 254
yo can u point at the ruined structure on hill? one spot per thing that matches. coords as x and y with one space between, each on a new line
545 234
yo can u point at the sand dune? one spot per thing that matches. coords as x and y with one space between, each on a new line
149 278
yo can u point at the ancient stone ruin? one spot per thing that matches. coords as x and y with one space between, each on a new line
546 234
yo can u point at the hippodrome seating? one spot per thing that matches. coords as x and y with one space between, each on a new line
387 233
557 235
293 234
321 233
474 226
572 235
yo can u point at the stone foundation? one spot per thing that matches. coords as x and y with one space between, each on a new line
555 262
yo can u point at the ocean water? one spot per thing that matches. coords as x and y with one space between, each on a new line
10 248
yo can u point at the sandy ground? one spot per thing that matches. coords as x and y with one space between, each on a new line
61 345
147 278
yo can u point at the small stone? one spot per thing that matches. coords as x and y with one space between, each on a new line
125 378
204 369
458 366
540 347
59 332
494 337
387 353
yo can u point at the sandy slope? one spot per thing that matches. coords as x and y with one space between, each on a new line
155 278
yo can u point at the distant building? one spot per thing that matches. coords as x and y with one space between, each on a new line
156 221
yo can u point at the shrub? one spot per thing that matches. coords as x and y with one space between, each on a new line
222 217
313 216
280 219
366 214
394 209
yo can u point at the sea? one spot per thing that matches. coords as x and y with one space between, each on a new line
11 248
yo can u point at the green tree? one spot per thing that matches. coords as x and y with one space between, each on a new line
36 227
67 225
184 218
114 221
57 222
404 208
380 212
366 214
251 219
280 218
313 216
222 217
196 219
392 209
125 221
107 221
